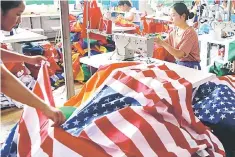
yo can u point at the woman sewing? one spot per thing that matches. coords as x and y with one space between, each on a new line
10 15
130 12
182 43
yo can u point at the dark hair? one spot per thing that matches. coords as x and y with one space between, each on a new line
8 5
121 2
181 9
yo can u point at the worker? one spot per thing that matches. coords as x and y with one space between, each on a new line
182 43
130 12
10 15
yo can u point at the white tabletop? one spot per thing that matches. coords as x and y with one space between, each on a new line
196 77
49 14
161 18
23 36
211 39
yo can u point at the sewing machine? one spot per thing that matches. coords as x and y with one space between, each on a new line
131 46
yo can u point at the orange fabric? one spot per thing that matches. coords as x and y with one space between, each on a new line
161 54
76 65
94 82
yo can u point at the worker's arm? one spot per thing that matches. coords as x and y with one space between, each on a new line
13 88
174 52
131 17
9 56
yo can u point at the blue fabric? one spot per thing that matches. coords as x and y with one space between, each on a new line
9 148
106 101
190 64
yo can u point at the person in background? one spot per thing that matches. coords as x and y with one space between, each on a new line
10 16
182 42
130 12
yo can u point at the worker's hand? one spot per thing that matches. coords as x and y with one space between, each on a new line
158 41
55 115
35 60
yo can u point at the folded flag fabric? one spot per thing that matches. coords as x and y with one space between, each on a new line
152 116
214 101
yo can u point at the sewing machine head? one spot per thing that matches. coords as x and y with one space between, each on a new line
131 46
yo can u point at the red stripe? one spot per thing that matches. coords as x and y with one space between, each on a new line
117 137
170 73
227 80
174 131
24 144
149 73
137 86
147 131
47 85
80 145
47 144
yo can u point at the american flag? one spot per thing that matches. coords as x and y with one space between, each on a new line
214 101
149 113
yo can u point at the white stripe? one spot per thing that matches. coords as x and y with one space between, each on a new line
151 83
215 140
128 92
231 77
97 136
163 134
198 137
32 124
41 82
132 132
60 150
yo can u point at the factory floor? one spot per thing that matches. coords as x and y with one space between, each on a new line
9 117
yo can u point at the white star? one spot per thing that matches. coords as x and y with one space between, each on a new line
203 106
203 91
95 108
214 94
193 106
13 154
95 115
232 98
225 87
209 89
222 93
230 112
103 105
76 122
107 99
207 98
219 88
199 102
84 126
222 116
85 119
229 103
4 145
207 83
225 98
211 101
225 109
196 112
222 103
200 117
122 99
233 108
117 98
214 106
126 105
217 98
65 125
211 117
196 98
229 93
218 111
105 112
116 108
207 111
112 103
86 110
